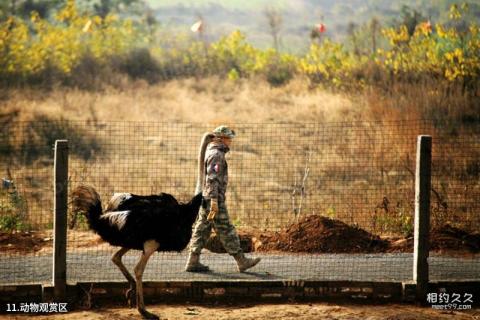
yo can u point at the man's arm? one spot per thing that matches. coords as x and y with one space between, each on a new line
214 164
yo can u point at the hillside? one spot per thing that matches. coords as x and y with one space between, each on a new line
222 17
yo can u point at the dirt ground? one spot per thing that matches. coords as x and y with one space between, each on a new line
317 234
297 311
311 234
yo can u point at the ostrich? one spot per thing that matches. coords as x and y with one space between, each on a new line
148 223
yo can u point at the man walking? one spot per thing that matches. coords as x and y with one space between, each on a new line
214 211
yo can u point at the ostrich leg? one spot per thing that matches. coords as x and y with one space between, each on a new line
117 260
149 247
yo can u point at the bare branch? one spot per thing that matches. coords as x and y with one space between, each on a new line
275 20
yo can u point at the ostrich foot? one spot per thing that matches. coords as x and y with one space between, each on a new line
130 294
147 315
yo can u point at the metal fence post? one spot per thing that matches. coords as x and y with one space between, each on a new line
60 186
422 216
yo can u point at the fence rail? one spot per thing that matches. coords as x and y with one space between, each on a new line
360 173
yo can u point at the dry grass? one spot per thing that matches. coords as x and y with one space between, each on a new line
210 100
355 164
216 100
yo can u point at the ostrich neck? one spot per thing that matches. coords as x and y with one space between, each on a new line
206 139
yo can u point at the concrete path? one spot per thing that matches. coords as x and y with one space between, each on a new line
97 266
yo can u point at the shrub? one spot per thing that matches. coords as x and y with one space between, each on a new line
327 62
41 134
9 223
139 64
13 208
75 46
30 49
280 70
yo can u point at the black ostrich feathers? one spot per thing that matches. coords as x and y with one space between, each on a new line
130 220
148 223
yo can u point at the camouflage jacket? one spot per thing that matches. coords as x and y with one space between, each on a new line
216 171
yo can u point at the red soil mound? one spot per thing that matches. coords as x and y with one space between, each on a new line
23 242
442 239
451 238
317 234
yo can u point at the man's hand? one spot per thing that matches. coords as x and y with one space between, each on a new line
213 209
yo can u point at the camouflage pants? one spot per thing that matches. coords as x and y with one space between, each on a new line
223 227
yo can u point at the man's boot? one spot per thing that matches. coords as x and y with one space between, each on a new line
194 265
245 263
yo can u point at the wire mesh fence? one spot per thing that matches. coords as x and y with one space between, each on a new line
455 205
316 200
